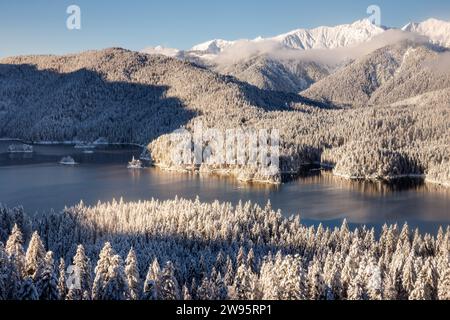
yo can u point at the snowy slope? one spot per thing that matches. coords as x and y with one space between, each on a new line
324 37
437 30
213 46
277 63
330 37
390 74
304 39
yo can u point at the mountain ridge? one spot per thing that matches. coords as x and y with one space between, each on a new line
326 37
128 97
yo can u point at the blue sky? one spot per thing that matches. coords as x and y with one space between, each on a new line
39 26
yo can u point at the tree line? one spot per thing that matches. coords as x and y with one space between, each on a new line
181 249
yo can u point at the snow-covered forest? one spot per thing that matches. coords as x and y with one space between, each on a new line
181 249
401 128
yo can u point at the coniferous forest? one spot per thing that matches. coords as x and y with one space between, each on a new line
183 250
364 103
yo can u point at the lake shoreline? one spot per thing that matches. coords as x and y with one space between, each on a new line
39 183
229 172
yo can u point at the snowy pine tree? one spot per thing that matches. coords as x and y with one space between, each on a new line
152 279
444 284
116 286
229 274
204 291
169 288
82 267
316 283
374 281
251 261
394 267
424 288
243 284
409 275
132 274
14 249
62 288
35 258
4 273
220 289
102 273
48 282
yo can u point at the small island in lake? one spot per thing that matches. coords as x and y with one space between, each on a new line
20 148
68 161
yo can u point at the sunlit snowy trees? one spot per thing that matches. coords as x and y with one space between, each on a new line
172 251
132 274
83 272
48 284
4 273
110 281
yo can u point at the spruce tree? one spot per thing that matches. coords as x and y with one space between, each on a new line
424 288
221 290
251 261
132 274
240 258
205 292
316 283
62 288
444 284
150 291
48 282
102 273
4 273
229 274
389 288
242 287
169 289
35 258
194 289
82 267
409 275
356 289
374 280
116 287
15 251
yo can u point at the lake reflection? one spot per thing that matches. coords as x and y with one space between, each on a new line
39 183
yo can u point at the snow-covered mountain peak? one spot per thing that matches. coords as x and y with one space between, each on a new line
304 39
410 26
323 37
437 30
330 37
213 46
170 52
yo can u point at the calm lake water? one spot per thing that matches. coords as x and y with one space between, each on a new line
39 183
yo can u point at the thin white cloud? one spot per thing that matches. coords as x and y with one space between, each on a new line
243 50
441 64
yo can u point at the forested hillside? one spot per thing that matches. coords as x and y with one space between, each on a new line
390 74
132 97
287 75
114 93
182 249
